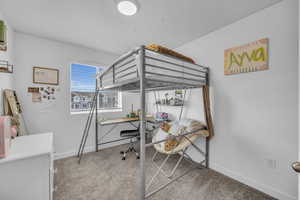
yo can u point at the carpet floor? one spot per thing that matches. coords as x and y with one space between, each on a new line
104 176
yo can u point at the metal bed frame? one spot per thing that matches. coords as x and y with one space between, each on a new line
143 70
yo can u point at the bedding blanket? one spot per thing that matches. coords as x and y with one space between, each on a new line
170 52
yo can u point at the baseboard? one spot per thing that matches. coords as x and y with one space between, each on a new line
58 156
252 183
87 149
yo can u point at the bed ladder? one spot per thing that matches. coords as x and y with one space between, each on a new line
87 126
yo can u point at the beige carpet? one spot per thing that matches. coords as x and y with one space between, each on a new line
104 176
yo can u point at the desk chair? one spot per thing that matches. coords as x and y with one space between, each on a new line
130 134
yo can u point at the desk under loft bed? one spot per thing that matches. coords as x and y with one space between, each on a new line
142 70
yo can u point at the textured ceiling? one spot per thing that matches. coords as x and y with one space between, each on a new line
97 23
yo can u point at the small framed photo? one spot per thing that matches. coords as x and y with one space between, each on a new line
43 75
33 90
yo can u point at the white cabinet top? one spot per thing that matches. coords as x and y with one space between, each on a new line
29 146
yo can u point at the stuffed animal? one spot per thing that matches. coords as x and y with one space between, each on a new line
165 127
171 143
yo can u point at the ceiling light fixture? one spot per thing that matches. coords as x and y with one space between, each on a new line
128 7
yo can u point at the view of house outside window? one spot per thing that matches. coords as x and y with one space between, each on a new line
83 85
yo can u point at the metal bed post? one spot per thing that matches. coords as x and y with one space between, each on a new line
141 68
96 116
207 139
207 152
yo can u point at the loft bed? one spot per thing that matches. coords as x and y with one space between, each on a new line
160 72
151 69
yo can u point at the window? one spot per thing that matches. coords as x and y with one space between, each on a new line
83 83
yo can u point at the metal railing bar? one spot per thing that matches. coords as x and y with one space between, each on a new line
114 75
173 57
174 86
171 76
174 70
130 67
123 64
115 140
118 77
118 85
177 83
120 59
172 63
132 85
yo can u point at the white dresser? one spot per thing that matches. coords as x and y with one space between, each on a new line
27 172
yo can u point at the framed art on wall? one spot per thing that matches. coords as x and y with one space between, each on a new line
247 58
3 36
43 75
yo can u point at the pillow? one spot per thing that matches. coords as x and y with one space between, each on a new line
174 127
165 127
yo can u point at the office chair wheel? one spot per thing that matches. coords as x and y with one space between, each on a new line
137 157
121 152
123 158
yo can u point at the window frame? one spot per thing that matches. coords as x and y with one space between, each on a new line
100 110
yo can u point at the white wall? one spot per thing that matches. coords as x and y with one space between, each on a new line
55 116
6 79
298 98
255 114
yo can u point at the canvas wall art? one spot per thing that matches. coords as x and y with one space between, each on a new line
247 58
42 75
3 36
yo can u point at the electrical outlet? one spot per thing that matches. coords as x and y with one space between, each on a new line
271 163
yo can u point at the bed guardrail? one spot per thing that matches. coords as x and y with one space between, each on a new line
158 67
